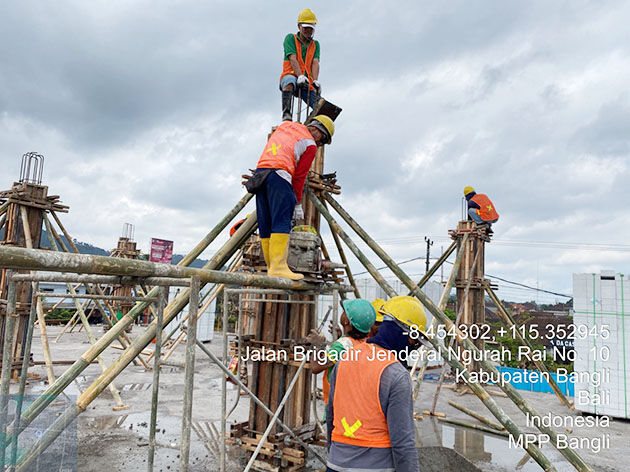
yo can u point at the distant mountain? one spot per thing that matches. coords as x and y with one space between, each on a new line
86 248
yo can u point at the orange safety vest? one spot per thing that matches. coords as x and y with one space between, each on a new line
487 212
279 150
305 65
358 417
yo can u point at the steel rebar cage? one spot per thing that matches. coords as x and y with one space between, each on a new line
32 168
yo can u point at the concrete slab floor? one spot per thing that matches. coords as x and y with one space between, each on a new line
118 440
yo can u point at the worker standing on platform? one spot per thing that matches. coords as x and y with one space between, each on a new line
279 183
370 407
356 320
300 69
480 209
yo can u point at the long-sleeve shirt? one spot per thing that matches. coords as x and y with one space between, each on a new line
395 396
304 152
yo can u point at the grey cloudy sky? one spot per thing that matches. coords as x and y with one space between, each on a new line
148 112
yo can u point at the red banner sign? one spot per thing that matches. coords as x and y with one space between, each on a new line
161 251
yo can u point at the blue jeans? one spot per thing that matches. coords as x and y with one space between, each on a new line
275 203
291 79
472 212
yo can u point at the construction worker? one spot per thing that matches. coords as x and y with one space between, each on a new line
356 320
370 406
480 209
300 69
279 183
377 304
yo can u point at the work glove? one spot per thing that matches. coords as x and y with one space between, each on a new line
318 87
316 339
298 213
302 82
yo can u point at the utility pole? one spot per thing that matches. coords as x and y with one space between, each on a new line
429 244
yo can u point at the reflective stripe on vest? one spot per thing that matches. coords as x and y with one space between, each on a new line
279 150
358 418
305 64
486 210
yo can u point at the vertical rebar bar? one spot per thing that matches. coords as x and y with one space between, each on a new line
7 360
272 421
189 372
156 376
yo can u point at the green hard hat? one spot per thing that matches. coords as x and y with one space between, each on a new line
361 314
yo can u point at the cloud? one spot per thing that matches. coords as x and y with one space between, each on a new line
149 113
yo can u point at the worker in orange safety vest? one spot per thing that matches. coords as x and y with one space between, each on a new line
278 184
370 405
480 209
300 68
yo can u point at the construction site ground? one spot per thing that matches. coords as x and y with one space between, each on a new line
118 440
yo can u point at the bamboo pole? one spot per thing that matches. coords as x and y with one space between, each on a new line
10 320
205 242
189 374
477 416
123 338
156 378
25 361
88 330
571 455
452 341
220 257
475 426
37 259
510 321
442 305
344 260
437 265
272 422
39 307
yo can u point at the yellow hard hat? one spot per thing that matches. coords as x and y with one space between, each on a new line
326 123
468 189
378 304
407 310
307 16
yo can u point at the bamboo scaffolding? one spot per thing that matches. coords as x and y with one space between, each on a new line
458 319
189 373
88 330
510 322
24 372
274 418
344 260
474 426
123 338
39 308
477 416
571 455
10 320
220 257
156 378
441 305
437 265
534 451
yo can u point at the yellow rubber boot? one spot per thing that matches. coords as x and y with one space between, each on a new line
264 243
278 250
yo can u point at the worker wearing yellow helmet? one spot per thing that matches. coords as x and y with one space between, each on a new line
370 407
278 184
300 68
480 209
